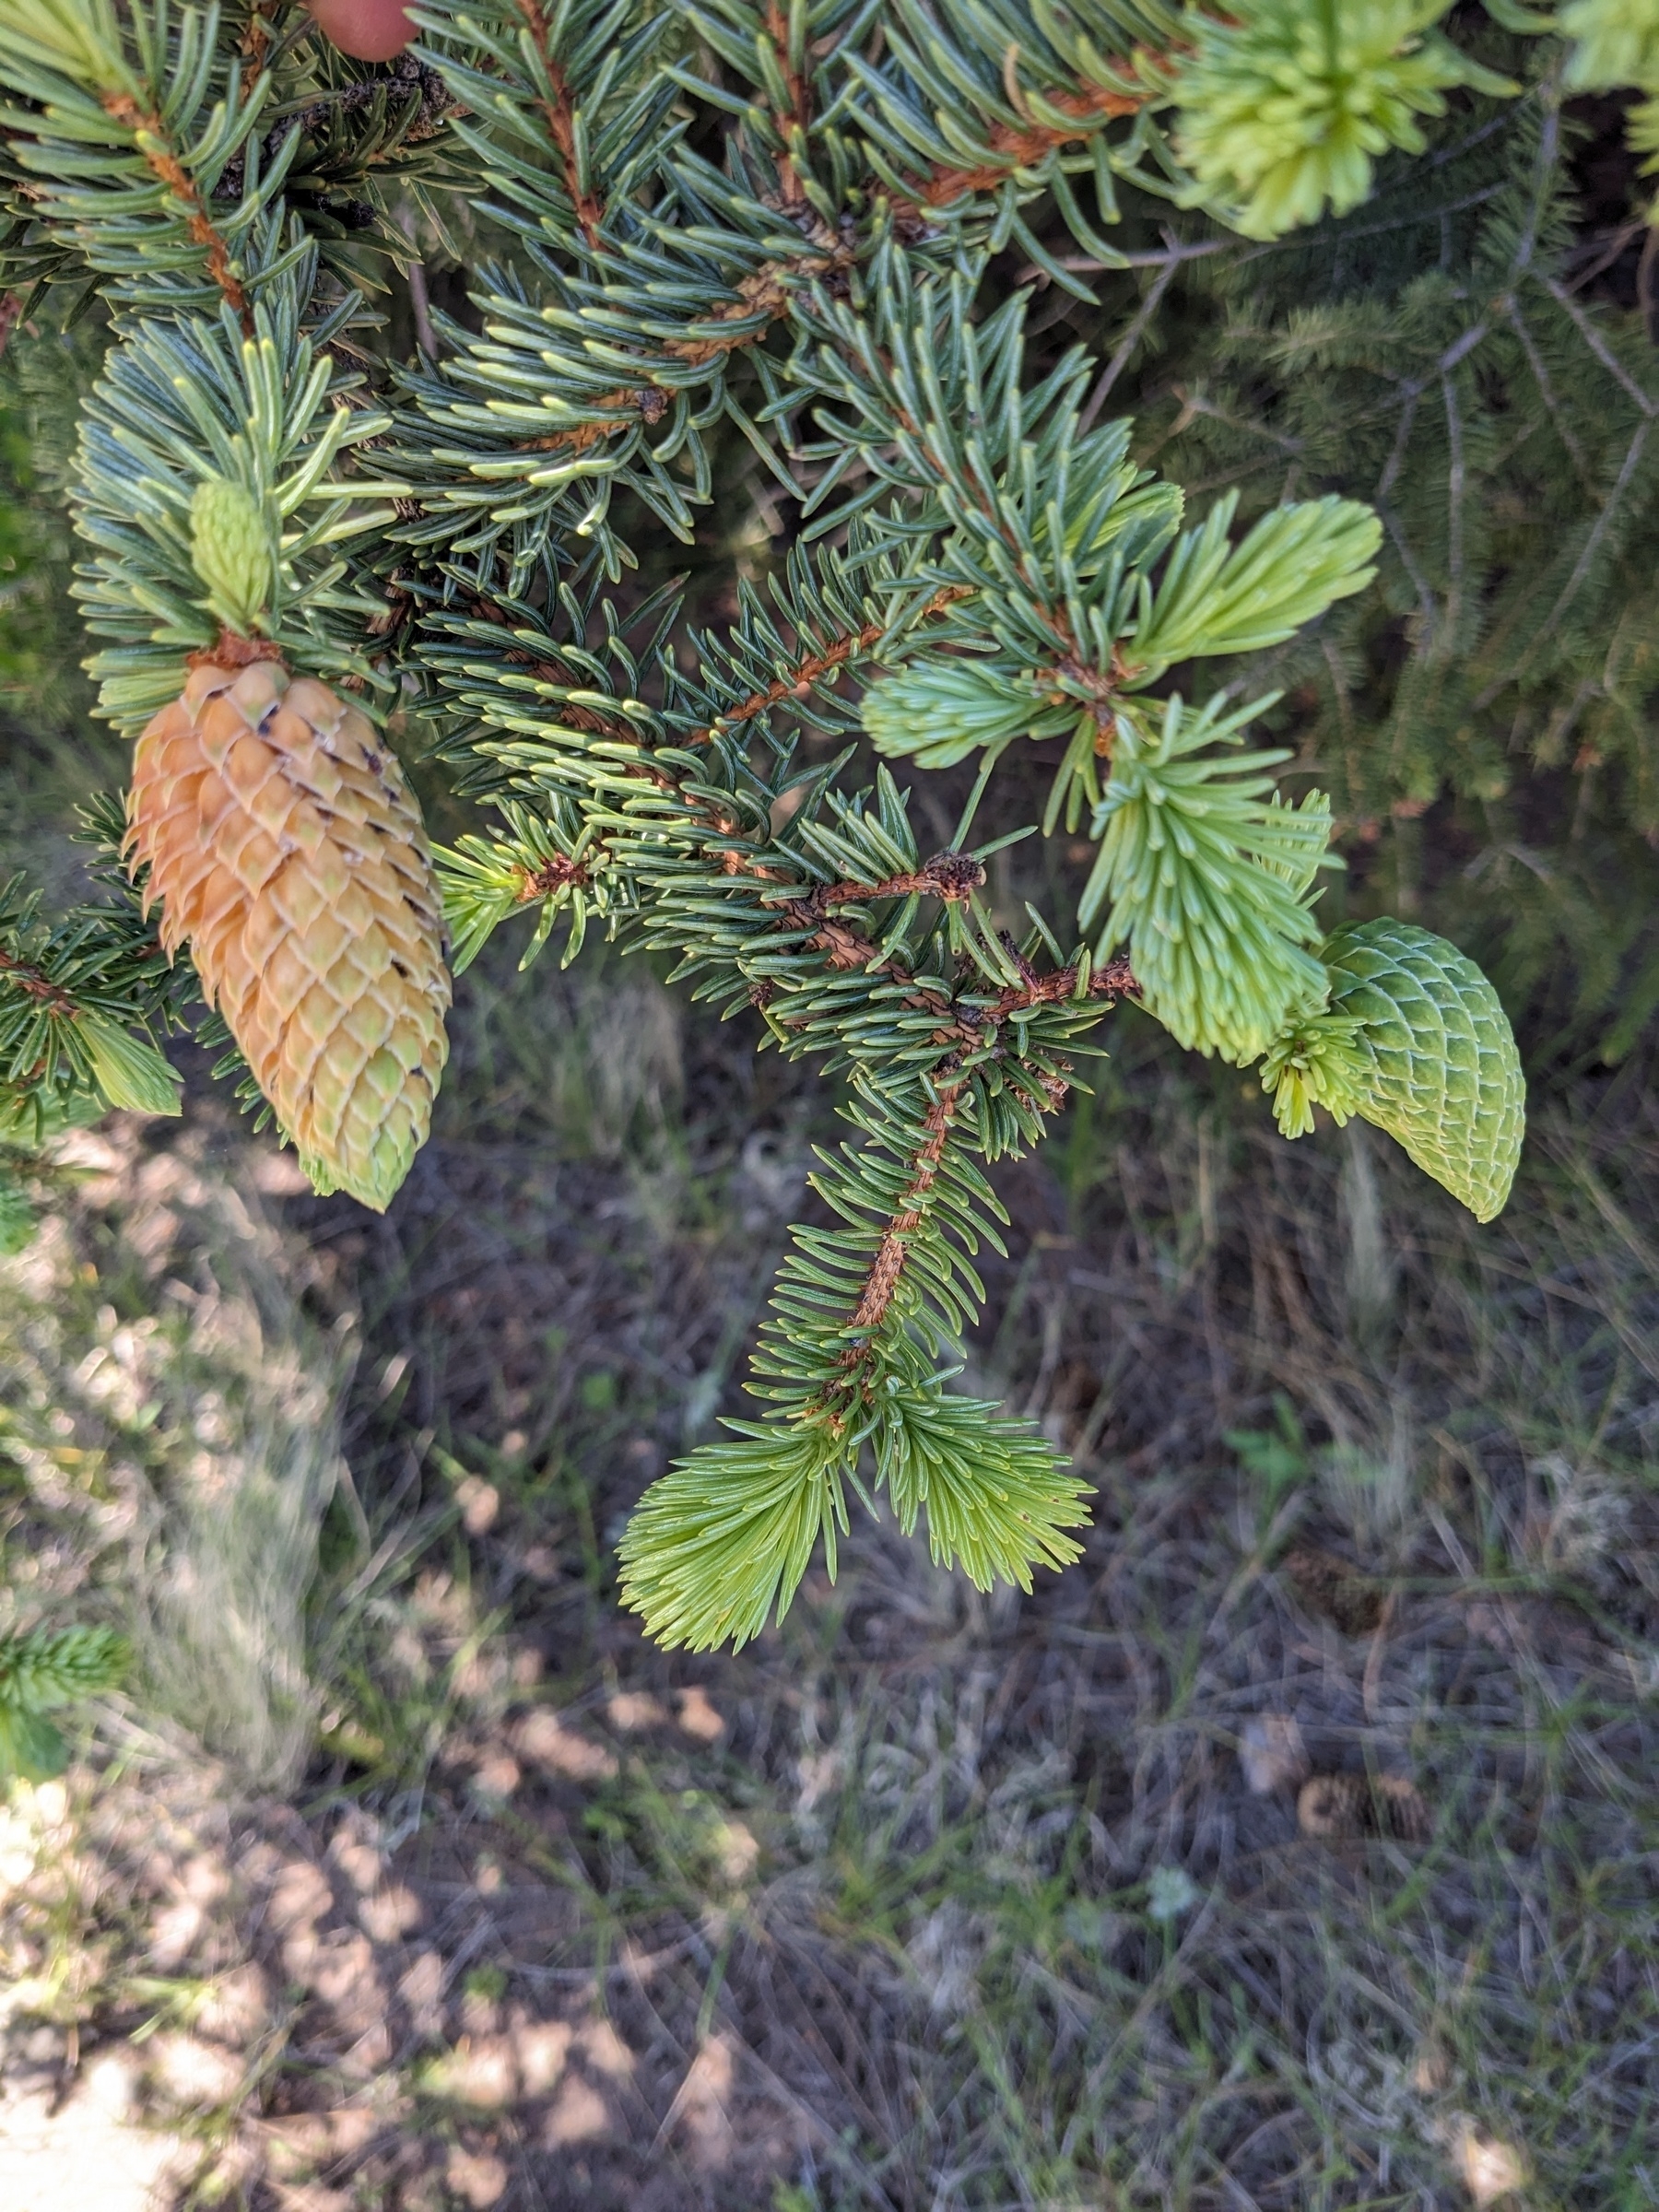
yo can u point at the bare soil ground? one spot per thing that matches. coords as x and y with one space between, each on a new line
1296 1849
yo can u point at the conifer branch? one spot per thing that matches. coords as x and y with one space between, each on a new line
25 976
951 878
794 119
1013 146
150 132
824 660
558 106
556 874
41 1670
741 321
806 248
81 1003
888 1265
547 669
428 106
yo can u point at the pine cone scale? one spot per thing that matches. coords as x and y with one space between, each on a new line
286 850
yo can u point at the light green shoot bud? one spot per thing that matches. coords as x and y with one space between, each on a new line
1285 106
937 711
1315 1063
234 547
1207 881
82 38
1617 43
128 1070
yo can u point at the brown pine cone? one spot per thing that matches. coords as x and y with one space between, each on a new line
1328 1584
285 849
1345 1808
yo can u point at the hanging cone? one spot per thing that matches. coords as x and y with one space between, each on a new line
285 849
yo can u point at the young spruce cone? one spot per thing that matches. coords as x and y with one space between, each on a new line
285 849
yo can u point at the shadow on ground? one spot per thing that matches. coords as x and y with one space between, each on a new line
1292 1850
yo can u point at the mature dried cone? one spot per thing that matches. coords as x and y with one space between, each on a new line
285 849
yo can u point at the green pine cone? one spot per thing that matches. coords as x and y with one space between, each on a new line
1434 1060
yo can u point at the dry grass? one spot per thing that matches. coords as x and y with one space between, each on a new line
1295 1850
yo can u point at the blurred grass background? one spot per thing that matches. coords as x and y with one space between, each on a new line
1296 1849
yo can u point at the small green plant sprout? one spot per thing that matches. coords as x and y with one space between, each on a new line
725 226
43 1669
1278 1460
486 1982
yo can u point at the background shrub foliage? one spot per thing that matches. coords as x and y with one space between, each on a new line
1189 488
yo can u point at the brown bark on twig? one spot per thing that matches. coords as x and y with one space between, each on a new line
166 165
1023 149
560 112
798 116
551 671
253 45
25 977
887 1267
231 651
1115 979
555 875
765 291
649 402
947 876
815 665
